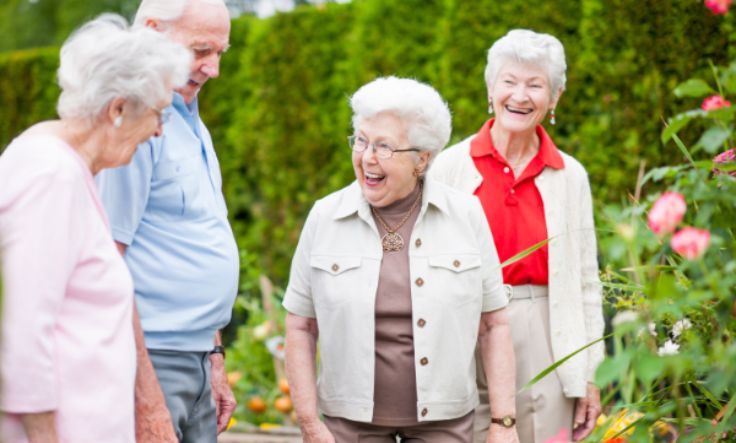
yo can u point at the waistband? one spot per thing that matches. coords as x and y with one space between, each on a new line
520 292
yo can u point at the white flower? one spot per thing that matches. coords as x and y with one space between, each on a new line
275 346
261 331
652 329
622 317
668 348
680 326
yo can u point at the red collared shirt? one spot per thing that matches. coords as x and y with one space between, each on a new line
513 206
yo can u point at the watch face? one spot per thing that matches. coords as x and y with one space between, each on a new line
508 421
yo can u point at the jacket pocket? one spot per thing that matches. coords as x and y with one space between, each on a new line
338 279
457 277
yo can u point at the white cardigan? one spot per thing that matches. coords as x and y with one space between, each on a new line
575 301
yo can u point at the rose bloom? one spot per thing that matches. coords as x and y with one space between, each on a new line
562 437
666 213
690 243
723 158
714 102
718 6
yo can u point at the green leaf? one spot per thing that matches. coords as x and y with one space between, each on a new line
683 148
556 364
611 368
694 87
525 252
678 122
648 366
712 139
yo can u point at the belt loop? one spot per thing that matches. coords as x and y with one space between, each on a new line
530 288
509 291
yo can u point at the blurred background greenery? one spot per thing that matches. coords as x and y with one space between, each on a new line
279 117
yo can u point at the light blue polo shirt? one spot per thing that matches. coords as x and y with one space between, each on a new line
167 206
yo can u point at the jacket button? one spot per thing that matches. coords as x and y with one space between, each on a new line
418 242
456 263
335 267
424 361
419 282
425 412
421 322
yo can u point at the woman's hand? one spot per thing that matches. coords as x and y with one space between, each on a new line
587 410
500 434
315 431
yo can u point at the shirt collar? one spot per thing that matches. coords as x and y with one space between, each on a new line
354 202
482 145
186 110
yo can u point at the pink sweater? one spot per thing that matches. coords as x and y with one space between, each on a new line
67 337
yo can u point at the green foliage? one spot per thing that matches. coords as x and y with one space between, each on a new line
668 302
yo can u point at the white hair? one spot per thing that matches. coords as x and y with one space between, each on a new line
525 46
165 11
104 60
419 105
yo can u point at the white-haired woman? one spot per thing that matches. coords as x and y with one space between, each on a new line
68 358
399 278
531 192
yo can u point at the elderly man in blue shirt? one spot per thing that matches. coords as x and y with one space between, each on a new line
169 219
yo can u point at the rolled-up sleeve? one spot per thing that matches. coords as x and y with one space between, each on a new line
42 233
494 296
298 296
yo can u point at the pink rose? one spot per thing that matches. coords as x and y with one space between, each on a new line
667 213
718 6
562 437
723 158
714 102
690 242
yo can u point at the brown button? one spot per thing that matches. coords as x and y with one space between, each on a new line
335 267
421 322
419 281
456 263
424 361
418 242
425 412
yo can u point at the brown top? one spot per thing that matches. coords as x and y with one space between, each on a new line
395 388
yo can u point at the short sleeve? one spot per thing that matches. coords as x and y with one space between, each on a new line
42 236
124 192
494 296
298 297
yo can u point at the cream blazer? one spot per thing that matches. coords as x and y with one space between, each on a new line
575 301
454 274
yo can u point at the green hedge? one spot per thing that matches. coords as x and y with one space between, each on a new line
279 112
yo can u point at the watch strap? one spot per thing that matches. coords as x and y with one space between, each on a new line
218 350
506 421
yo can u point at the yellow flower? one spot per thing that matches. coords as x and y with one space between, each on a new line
231 423
621 421
267 426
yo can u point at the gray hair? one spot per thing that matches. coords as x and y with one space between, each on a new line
525 46
104 60
419 105
166 11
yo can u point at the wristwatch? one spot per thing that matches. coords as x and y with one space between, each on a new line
218 350
506 421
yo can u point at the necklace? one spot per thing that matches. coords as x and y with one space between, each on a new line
392 240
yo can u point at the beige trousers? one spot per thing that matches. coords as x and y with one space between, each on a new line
457 430
542 410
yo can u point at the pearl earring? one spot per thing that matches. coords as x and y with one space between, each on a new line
490 106
552 120
118 122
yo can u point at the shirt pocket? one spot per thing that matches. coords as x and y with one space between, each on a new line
456 277
337 280
174 187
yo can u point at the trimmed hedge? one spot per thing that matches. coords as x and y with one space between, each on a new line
279 114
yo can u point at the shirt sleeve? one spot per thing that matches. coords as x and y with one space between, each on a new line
124 192
494 296
298 296
43 232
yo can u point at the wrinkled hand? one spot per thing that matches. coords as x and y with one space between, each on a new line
316 432
221 393
500 434
587 410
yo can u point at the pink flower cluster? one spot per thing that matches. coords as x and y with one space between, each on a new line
718 6
666 214
728 156
562 437
714 102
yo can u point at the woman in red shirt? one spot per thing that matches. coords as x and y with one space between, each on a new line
532 192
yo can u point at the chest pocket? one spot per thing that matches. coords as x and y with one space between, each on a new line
338 279
457 277
174 187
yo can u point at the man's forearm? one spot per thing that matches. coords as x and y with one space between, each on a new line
500 365
40 427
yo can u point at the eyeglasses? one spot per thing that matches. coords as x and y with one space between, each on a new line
383 150
163 115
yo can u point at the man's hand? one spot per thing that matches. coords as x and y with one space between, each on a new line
315 431
587 410
501 434
221 393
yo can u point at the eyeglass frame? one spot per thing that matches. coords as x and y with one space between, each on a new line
389 148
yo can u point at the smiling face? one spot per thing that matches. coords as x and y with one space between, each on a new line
521 96
204 28
384 181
